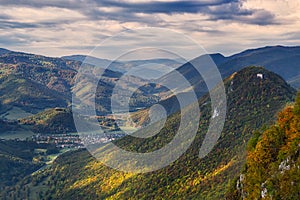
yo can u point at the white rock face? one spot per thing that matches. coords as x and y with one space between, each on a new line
216 113
284 166
264 193
240 186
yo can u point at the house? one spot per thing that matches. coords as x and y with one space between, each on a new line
59 109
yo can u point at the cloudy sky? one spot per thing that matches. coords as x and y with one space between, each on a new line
64 27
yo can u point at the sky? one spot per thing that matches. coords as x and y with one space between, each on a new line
66 27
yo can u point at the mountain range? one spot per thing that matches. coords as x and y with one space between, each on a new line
252 103
33 82
35 97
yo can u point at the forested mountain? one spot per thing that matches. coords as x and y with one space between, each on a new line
279 59
33 84
19 159
252 103
272 169
51 121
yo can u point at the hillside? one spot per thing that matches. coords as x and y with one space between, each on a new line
272 169
19 159
252 102
51 121
33 83
54 73
28 95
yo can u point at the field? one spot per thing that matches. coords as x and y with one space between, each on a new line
15 113
22 135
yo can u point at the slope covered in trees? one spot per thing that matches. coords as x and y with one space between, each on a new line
272 169
19 159
34 83
51 121
252 102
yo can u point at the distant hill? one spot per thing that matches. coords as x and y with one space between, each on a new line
51 121
123 66
102 63
279 59
252 102
3 51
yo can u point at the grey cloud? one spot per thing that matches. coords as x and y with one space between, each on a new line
260 17
70 4
215 9
292 35
12 24
235 12
164 7
230 10
14 40
144 7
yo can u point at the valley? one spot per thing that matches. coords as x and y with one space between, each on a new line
150 100
43 157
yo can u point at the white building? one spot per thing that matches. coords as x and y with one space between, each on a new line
261 76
